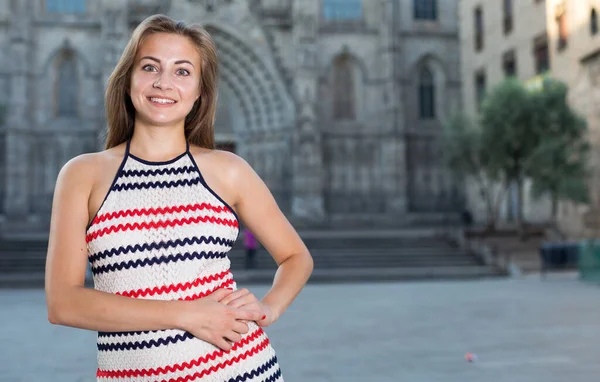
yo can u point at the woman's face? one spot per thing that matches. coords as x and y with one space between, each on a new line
165 79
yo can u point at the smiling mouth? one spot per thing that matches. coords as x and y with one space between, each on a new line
162 101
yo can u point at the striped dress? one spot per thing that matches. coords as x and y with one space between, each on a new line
162 233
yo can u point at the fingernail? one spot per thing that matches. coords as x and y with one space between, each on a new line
264 317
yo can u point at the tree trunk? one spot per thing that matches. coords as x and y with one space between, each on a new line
490 218
520 220
554 206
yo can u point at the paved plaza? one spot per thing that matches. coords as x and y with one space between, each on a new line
520 330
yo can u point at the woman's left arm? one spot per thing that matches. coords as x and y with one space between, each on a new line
258 210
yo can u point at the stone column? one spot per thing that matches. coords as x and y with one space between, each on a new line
114 36
16 203
307 162
394 149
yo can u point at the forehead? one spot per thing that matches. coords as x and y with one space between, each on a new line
169 46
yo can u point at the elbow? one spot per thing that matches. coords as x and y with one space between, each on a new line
310 263
57 307
55 316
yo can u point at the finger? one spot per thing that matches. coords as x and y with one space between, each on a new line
233 336
250 315
240 327
223 344
244 300
219 294
235 295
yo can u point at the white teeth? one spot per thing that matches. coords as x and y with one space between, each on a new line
161 100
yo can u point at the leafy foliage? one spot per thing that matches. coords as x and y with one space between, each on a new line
522 134
559 165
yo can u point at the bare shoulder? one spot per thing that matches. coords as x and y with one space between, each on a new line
229 165
79 169
86 168
225 172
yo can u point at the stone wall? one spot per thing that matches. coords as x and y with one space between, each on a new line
277 73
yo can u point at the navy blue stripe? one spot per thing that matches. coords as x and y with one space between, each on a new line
162 171
256 372
158 260
163 184
160 245
114 181
274 377
120 334
146 344
160 163
203 181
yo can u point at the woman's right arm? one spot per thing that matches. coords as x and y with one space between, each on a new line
70 303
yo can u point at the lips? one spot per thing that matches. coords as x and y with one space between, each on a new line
161 100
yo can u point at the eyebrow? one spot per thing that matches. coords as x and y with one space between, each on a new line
176 62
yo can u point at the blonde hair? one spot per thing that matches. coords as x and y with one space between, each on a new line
120 113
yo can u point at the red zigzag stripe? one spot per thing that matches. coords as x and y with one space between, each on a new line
174 287
159 224
188 365
204 294
158 211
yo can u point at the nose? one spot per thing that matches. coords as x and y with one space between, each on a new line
163 81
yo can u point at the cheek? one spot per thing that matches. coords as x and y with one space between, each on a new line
134 88
138 83
191 92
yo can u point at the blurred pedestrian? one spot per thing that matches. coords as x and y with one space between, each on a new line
157 235
250 244
467 218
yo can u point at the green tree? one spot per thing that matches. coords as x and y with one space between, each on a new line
510 134
559 165
468 158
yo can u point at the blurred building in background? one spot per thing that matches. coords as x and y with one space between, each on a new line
337 104
574 45
499 39
530 39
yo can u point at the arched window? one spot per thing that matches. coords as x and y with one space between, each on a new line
343 88
594 21
342 9
426 94
67 85
425 9
65 6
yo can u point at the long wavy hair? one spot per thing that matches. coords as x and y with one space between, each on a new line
120 113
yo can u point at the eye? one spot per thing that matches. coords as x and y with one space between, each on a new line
183 72
149 68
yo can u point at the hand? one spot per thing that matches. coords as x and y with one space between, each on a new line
210 320
243 299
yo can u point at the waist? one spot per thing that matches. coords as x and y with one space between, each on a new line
188 282
165 352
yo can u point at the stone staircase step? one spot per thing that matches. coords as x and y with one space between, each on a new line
265 276
349 255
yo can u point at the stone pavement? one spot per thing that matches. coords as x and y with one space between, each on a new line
520 330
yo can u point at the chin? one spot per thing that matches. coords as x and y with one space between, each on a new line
163 120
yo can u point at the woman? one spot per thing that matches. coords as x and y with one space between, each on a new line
165 303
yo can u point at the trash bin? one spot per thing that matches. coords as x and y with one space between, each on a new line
559 255
589 260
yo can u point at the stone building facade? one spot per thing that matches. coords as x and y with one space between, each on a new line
337 104
574 42
500 39
531 39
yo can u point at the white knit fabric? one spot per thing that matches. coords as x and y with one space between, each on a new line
163 234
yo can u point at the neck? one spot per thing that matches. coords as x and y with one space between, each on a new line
157 143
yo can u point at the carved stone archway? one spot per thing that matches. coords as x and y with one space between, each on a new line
261 128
